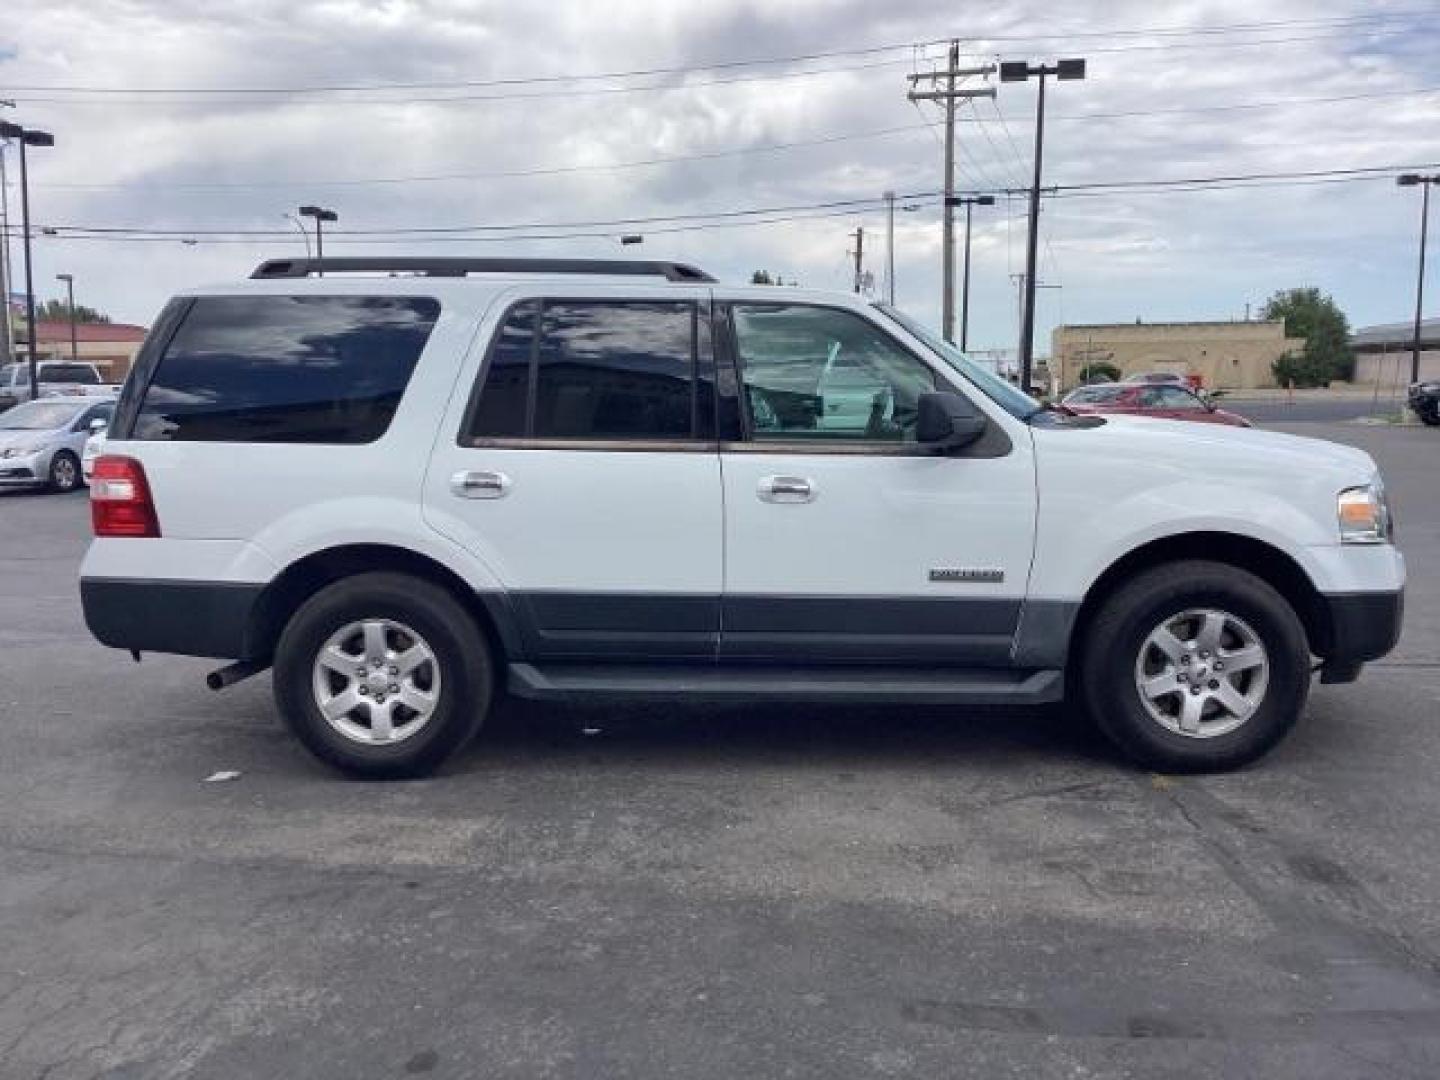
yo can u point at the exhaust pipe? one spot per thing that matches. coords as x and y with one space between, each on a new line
230 674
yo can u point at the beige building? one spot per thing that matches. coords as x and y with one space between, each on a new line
1229 355
111 347
1383 354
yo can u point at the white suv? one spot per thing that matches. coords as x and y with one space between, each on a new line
582 481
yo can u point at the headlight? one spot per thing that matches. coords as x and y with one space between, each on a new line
1364 515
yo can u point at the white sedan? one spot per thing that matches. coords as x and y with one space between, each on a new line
41 441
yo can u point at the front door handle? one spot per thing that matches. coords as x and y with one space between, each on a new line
786 489
480 485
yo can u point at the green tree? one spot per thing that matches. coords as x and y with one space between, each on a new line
762 277
1314 316
59 311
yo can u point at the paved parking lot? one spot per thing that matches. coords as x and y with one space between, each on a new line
706 893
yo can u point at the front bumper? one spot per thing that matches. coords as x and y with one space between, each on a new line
1362 626
31 470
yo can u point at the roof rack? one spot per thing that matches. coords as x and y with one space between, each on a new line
460 266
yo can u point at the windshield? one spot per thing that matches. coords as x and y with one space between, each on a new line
68 373
1092 394
1008 397
38 416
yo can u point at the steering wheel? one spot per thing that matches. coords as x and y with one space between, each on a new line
880 425
763 416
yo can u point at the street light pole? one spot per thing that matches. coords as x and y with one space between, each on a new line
69 280
28 137
7 326
1424 182
321 215
1019 71
969 202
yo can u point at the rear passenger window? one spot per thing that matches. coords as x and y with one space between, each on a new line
582 369
286 369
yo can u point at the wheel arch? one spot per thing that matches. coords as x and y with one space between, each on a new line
303 578
1265 560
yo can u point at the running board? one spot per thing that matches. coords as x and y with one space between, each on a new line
840 685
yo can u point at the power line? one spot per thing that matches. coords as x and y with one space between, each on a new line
1246 105
1222 28
117 96
417 232
1318 22
1242 177
163 96
556 170
475 84
253 240
718 218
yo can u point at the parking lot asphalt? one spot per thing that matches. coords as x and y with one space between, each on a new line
1277 411
759 892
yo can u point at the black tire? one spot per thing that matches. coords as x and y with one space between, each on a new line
465 672
65 472
1430 417
1113 644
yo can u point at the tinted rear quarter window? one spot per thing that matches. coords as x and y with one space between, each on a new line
285 369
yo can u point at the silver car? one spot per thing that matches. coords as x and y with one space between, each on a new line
41 441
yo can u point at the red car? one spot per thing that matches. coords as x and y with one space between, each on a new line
1168 401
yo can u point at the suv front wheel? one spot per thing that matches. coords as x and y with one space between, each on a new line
1195 666
383 675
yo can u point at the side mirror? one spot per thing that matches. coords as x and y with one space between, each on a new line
98 425
946 422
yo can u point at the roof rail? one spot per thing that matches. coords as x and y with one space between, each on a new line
450 266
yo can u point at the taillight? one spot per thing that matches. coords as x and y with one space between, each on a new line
120 503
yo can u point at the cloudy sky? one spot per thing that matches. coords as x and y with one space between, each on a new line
211 121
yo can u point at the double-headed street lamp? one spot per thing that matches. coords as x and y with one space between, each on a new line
321 215
28 137
969 202
1424 183
1019 71
69 280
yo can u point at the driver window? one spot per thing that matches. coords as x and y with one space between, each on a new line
1175 398
825 374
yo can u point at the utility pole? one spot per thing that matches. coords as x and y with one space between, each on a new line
1424 182
69 280
890 246
949 96
859 254
1019 71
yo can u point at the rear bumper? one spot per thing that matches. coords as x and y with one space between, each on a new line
1363 626
190 618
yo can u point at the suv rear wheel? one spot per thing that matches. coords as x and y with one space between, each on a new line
383 675
1195 666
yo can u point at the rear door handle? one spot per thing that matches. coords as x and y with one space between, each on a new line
480 485
786 489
